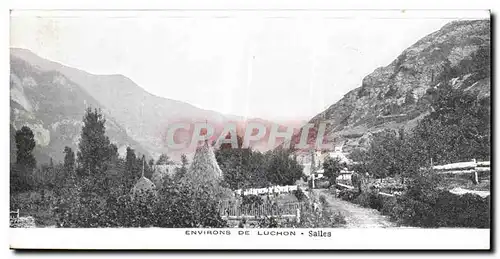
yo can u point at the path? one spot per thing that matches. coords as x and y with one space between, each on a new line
355 215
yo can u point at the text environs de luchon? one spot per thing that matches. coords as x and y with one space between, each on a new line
310 233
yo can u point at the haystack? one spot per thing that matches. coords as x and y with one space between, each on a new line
143 188
204 168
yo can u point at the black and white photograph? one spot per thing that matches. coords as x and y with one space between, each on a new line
221 123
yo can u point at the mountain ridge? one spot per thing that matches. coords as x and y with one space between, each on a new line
142 116
400 94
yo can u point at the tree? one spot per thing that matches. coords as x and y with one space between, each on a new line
149 169
94 146
163 160
130 167
458 129
360 157
332 167
69 159
25 143
282 169
181 172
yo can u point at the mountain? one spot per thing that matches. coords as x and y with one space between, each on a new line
51 98
144 116
53 107
400 94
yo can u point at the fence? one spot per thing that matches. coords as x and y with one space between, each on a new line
268 190
477 169
14 214
235 210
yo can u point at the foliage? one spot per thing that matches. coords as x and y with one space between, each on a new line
25 143
21 173
69 159
21 178
245 168
175 205
322 200
361 157
94 147
282 169
181 172
348 194
252 200
301 196
325 218
99 196
163 160
332 167
424 205
457 129
370 199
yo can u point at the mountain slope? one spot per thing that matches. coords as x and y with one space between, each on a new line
138 117
53 107
144 116
400 94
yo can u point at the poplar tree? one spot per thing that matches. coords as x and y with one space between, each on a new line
94 144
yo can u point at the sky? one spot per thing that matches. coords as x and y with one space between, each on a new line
272 65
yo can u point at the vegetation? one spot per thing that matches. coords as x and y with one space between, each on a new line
245 168
25 143
332 167
300 194
93 189
425 205
457 129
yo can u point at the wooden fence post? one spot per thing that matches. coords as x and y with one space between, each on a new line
475 176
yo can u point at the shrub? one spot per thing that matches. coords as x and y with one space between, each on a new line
348 194
252 200
388 205
299 194
322 200
441 209
325 218
424 205
268 222
175 206
370 199
414 213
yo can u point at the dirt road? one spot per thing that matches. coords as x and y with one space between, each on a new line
355 215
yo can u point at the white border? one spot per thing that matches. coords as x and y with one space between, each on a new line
175 238
155 238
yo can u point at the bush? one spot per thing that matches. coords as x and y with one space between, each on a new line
299 194
424 205
323 219
252 200
413 213
388 205
322 200
348 194
441 209
369 199
176 206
